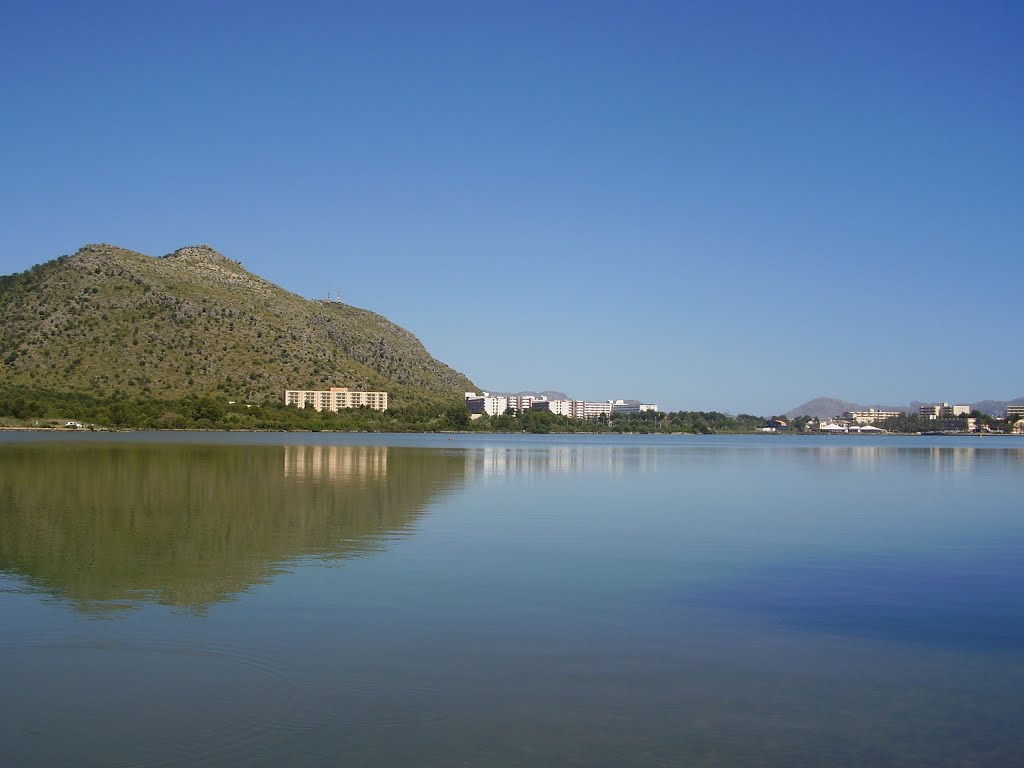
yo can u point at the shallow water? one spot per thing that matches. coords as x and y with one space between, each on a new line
220 599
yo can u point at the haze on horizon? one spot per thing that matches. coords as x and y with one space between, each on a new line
710 206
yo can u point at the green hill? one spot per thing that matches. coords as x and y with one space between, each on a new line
107 320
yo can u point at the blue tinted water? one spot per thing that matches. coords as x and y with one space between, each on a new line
319 599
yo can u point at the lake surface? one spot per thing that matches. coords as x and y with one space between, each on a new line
307 600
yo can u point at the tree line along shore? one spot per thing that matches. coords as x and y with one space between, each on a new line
47 409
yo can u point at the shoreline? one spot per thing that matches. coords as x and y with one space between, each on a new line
767 435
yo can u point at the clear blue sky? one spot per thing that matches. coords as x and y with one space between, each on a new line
718 205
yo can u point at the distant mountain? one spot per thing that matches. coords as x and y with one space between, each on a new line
110 320
826 407
996 407
550 394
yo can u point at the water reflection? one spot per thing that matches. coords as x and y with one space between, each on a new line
108 525
497 461
335 463
588 601
492 462
929 458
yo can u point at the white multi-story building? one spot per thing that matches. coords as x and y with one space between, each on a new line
943 411
870 416
593 410
492 405
563 407
496 405
1015 412
335 398
520 403
621 406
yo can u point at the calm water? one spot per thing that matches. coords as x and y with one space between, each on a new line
594 601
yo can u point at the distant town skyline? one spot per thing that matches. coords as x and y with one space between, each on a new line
733 207
496 404
999 407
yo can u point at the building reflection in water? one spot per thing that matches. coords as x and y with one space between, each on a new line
492 462
497 462
335 463
926 458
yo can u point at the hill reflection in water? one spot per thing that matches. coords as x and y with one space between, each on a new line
108 525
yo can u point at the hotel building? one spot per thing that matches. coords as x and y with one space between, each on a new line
492 405
497 405
335 398
870 416
943 411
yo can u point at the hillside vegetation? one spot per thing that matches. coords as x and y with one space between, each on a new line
111 321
